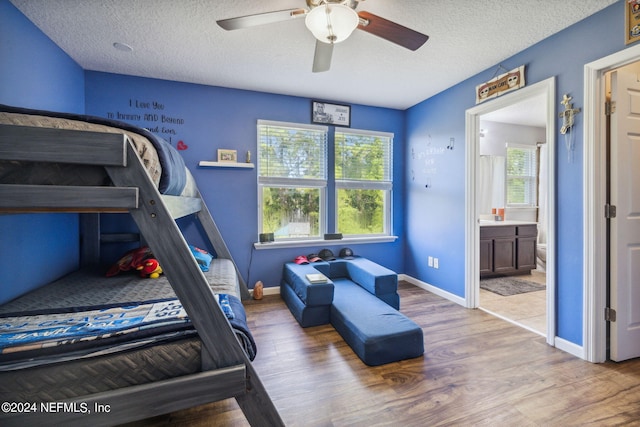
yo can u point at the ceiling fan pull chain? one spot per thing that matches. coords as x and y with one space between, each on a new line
331 37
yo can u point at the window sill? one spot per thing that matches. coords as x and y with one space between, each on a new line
307 243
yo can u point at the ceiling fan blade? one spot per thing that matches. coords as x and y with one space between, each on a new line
260 19
322 57
391 31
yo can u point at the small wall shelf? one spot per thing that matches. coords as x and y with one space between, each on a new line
208 164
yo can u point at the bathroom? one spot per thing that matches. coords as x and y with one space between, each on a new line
522 141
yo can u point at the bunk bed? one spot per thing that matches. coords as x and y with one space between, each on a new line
52 162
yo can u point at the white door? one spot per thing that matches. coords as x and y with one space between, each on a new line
625 227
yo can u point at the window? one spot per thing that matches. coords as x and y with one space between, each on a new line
294 185
522 175
292 179
363 179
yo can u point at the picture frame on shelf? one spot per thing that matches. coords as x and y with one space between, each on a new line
227 156
330 114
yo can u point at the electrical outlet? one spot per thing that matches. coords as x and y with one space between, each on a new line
430 261
436 264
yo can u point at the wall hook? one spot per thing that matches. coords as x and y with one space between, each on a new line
499 68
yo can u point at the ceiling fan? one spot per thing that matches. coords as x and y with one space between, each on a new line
331 22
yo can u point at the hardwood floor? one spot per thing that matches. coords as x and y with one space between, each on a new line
477 370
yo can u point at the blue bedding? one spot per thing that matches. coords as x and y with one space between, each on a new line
61 331
174 175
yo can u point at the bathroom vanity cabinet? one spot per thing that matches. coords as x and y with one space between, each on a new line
507 248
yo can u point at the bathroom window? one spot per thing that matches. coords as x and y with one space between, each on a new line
522 175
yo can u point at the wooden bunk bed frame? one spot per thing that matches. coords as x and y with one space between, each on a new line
227 371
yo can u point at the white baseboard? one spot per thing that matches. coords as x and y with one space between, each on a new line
434 290
569 347
275 290
272 290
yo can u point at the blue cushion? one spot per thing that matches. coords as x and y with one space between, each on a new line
304 314
392 299
373 277
311 294
338 268
376 332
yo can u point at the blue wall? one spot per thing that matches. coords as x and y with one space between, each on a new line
208 118
35 73
435 215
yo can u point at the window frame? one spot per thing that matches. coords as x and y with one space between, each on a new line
328 187
533 179
381 185
302 183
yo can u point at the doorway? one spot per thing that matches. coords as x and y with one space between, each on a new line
545 91
513 173
595 197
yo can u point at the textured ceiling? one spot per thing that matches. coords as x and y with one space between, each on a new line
180 40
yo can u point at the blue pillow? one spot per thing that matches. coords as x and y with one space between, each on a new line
203 258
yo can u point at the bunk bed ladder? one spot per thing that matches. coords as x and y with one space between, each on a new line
166 241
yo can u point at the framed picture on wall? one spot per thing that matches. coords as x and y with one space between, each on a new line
632 21
227 156
330 114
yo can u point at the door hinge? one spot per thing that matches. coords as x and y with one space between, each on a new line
609 314
609 108
609 211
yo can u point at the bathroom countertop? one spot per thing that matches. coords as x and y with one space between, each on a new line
489 222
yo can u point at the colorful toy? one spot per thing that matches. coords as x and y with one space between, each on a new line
150 268
132 259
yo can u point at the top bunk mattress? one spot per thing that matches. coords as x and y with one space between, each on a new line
162 161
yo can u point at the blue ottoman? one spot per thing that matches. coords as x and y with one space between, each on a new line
375 331
310 303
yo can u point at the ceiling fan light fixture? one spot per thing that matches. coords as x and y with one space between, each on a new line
332 23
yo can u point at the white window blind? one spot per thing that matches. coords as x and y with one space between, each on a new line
522 173
292 151
364 156
292 180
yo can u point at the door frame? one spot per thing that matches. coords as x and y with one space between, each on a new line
472 227
594 233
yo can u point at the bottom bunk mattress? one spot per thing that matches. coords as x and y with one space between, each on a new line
42 358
